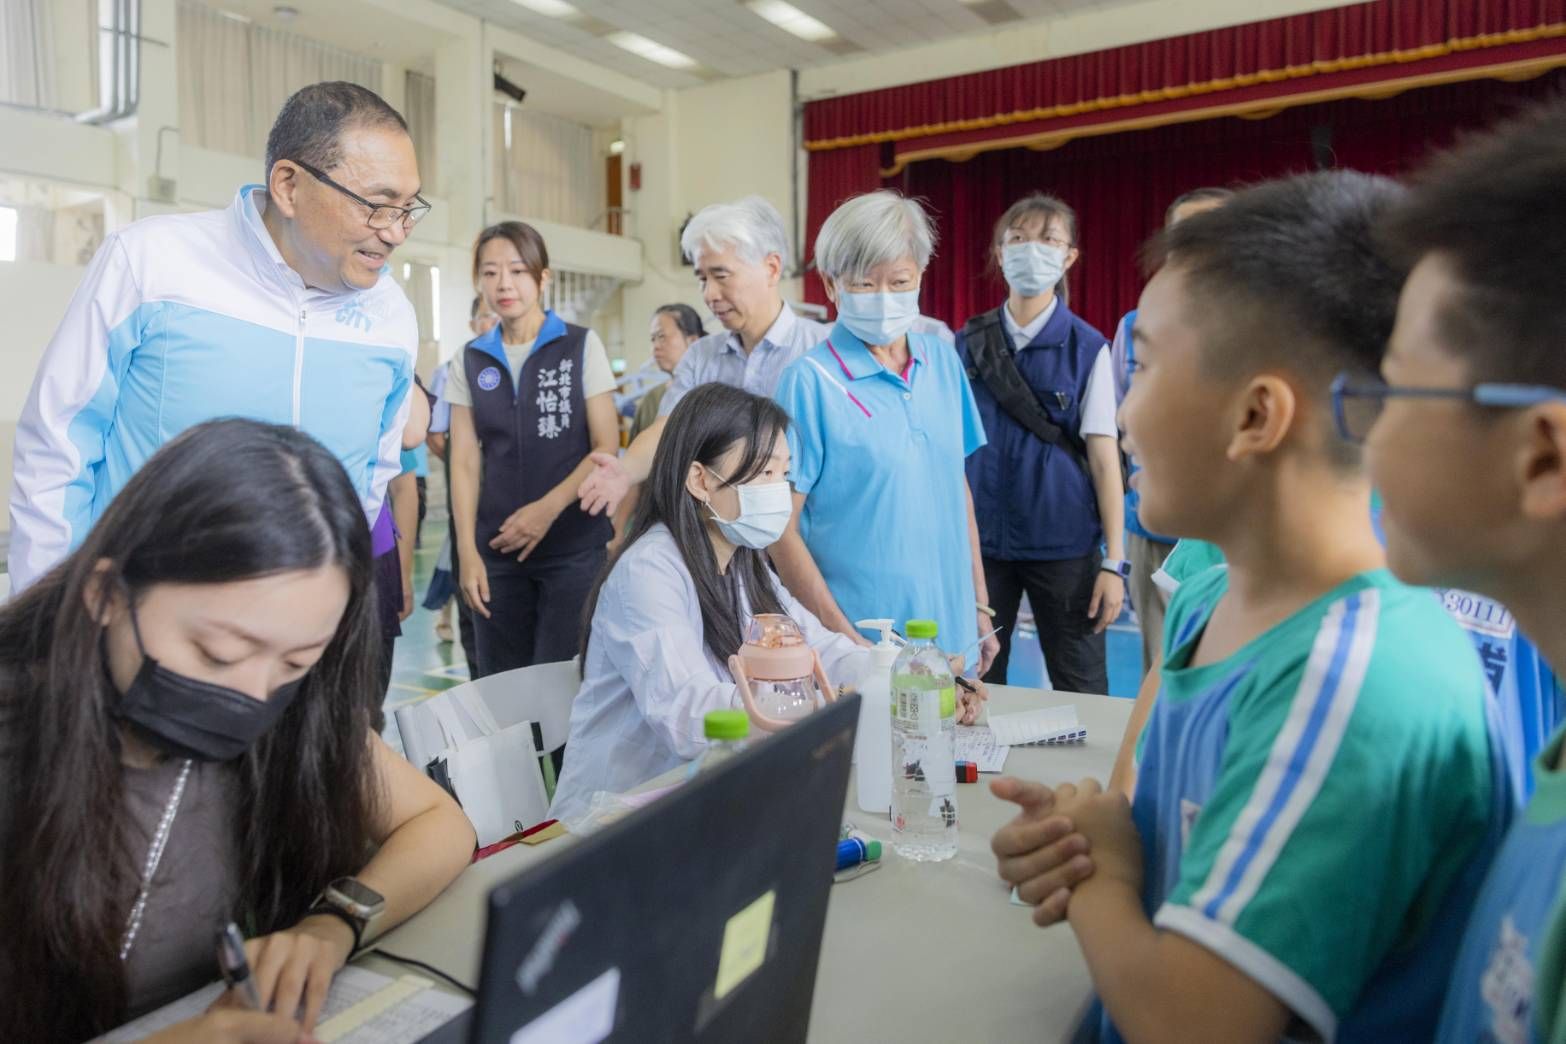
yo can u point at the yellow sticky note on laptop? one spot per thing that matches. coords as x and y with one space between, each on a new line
745 940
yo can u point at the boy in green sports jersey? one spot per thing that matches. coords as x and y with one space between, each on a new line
1465 436
1321 786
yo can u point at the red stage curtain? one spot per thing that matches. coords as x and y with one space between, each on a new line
1363 42
854 138
834 177
1120 185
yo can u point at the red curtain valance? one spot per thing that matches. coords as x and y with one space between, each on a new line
1248 69
1121 184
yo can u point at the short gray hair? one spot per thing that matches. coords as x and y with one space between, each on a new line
873 229
751 226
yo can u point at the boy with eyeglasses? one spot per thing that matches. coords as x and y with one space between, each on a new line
1321 787
1466 440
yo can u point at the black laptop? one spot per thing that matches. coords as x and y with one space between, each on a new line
696 919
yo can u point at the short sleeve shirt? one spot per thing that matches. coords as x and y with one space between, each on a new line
1511 973
720 358
1527 694
440 413
879 457
597 374
1188 559
1319 808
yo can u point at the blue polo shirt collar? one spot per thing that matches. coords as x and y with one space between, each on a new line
491 344
854 360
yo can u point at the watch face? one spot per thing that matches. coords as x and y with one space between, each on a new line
357 893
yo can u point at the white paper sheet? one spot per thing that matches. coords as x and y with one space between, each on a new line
404 1023
976 743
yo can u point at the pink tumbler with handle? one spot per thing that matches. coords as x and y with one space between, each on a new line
780 677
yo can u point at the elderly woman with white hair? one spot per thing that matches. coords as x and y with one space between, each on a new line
883 420
740 252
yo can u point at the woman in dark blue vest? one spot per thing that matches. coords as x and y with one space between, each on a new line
1047 490
530 400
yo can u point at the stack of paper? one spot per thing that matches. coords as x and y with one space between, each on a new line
362 1008
1047 725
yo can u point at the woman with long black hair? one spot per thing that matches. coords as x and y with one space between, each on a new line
672 606
675 601
188 715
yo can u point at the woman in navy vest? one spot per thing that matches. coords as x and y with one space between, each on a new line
1046 508
530 401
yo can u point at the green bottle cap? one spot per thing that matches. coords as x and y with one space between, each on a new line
872 851
921 629
726 725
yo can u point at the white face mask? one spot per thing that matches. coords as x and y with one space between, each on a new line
1032 268
878 317
764 511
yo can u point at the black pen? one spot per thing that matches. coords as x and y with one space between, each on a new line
235 966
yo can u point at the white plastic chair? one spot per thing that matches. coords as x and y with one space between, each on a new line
541 694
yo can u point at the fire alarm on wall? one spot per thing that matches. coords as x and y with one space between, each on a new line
636 177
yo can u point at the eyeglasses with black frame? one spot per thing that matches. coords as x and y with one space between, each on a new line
382 215
1358 400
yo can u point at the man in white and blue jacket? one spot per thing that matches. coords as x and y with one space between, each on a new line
280 308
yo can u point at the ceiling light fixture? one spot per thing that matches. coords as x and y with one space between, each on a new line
552 8
617 146
285 13
651 50
792 20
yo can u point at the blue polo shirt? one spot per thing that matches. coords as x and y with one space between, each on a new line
879 457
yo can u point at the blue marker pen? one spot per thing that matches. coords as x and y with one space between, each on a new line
854 851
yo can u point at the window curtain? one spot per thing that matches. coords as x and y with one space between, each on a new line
546 167
420 114
214 81
27 53
235 76
1120 185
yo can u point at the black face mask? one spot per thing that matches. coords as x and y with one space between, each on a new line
187 718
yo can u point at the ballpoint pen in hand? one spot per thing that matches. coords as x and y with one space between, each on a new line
236 967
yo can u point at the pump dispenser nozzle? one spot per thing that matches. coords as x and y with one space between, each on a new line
884 626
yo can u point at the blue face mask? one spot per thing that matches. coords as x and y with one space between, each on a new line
878 318
1032 268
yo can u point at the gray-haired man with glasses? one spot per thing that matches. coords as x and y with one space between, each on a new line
280 308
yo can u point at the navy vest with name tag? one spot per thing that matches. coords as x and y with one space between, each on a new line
1033 501
533 433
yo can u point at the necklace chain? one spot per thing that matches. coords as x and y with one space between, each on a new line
160 838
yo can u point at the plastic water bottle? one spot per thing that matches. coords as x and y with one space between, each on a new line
924 749
727 733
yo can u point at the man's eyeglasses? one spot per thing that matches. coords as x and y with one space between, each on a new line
382 215
1358 401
